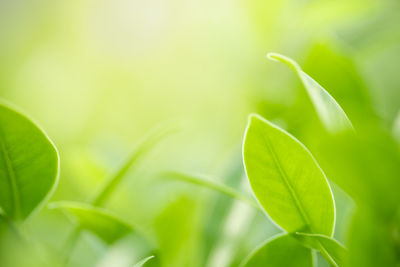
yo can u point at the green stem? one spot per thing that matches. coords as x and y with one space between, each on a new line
327 257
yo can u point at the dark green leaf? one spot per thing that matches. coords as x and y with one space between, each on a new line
29 164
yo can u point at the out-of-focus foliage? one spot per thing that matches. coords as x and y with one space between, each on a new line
98 75
100 222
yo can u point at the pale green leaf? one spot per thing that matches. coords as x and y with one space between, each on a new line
29 164
287 180
211 184
332 250
142 262
283 250
329 111
96 220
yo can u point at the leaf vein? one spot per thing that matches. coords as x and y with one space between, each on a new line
11 177
286 181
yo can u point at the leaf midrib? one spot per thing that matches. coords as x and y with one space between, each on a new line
286 181
12 179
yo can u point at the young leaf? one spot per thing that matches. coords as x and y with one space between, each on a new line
96 220
287 180
29 165
213 185
330 113
332 250
283 250
142 262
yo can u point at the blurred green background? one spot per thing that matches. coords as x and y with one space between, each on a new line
98 75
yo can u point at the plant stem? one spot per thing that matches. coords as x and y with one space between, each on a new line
327 257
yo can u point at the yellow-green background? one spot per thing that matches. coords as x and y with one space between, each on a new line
98 75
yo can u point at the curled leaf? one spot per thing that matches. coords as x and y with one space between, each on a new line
329 111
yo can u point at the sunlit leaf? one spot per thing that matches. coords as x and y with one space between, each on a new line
329 111
142 262
96 220
332 250
29 164
283 250
287 180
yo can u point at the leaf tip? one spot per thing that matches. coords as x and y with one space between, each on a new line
273 56
254 117
283 59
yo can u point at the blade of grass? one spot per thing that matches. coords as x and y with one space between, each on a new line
106 190
203 181
142 149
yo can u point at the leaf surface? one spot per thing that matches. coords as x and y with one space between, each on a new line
287 180
329 111
96 220
29 165
332 250
283 250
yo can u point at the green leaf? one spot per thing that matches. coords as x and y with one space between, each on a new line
96 220
213 185
29 165
332 250
142 262
329 111
287 180
282 250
